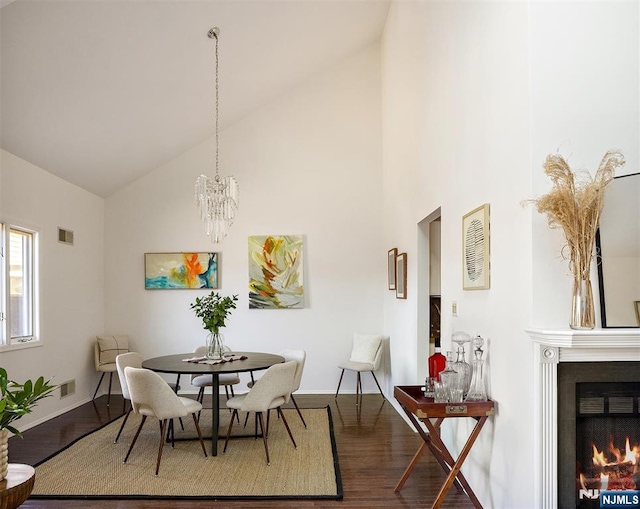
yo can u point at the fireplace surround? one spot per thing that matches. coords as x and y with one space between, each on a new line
553 347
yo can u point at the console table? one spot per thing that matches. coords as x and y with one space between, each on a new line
418 407
17 486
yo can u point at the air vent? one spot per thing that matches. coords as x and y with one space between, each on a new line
67 388
65 236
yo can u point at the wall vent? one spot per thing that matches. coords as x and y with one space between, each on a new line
67 388
65 236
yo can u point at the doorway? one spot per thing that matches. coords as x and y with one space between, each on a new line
429 284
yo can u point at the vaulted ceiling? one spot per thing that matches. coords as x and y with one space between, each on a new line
100 92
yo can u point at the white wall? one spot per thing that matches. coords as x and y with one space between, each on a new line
475 94
308 163
72 280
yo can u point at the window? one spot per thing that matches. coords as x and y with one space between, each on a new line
18 316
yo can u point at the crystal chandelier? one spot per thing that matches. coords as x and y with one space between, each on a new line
217 197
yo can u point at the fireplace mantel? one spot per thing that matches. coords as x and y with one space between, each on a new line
553 347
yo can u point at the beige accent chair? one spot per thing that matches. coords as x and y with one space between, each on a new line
151 396
270 392
366 354
105 351
133 359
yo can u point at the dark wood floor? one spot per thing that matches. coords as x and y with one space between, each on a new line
374 447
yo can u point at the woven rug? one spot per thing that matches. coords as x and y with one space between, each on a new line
92 467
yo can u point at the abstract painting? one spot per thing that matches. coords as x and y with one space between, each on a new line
275 272
170 271
475 249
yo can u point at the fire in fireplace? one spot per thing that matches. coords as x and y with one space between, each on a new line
598 431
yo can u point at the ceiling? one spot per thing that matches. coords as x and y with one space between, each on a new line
101 92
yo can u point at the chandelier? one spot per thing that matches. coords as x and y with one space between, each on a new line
217 197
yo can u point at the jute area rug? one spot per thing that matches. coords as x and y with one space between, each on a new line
92 467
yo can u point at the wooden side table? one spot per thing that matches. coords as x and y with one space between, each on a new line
418 407
17 486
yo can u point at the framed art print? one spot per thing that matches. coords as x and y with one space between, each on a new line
391 268
401 276
179 271
475 249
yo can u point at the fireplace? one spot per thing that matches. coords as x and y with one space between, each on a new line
598 430
596 349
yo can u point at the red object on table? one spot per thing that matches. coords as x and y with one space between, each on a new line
418 407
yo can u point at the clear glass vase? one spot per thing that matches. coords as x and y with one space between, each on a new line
215 346
583 314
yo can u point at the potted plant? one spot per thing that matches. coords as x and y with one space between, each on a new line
17 400
214 309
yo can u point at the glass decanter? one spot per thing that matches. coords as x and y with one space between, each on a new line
464 371
477 390
449 376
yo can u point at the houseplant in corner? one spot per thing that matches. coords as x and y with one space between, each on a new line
16 401
214 309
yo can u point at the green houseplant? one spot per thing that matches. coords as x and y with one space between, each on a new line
214 309
17 400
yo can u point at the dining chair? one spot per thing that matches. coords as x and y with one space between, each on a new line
300 357
133 359
270 392
151 396
366 353
228 380
105 351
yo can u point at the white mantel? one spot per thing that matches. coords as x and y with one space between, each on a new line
553 347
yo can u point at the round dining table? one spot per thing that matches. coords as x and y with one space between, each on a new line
177 364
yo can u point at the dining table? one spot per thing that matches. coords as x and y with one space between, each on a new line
243 362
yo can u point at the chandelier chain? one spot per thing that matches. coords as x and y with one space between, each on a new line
217 106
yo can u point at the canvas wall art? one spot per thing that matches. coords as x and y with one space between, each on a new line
475 249
173 271
275 272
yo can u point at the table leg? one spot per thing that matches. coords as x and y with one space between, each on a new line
455 466
409 469
215 420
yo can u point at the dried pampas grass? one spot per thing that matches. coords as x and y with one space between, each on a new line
575 204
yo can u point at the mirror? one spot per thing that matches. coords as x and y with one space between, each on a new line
618 245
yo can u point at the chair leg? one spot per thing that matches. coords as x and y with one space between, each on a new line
299 413
286 425
195 421
246 419
339 382
235 411
109 394
163 428
199 398
99 383
144 418
381 393
264 436
122 426
358 388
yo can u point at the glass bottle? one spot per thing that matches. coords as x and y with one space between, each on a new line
464 371
437 361
478 391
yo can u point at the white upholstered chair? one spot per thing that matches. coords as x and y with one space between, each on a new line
105 351
366 354
270 392
133 359
228 380
300 357
151 396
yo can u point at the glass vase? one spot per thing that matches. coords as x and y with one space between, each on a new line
215 346
583 314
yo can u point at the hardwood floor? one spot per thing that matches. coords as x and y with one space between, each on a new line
374 447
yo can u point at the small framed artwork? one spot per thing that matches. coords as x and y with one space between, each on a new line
637 305
401 276
475 249
391 268
177 271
